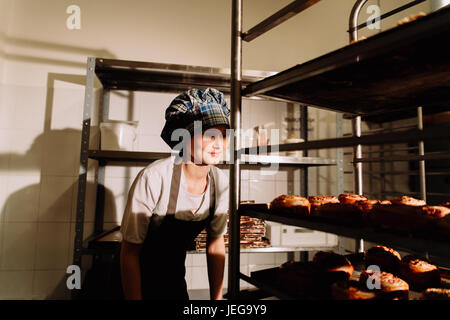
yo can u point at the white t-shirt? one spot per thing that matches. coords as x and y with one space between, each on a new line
149 195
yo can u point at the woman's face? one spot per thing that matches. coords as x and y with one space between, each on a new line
208 148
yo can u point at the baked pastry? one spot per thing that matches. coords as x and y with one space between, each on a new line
411 18
314 279
346 210
408 201
317 201
437 212
351 198
442 225
385 258
419 273
331 267
435 294
296 277
402 214
447 204
351 290
366 205
362 38
390 286
291 204
332 262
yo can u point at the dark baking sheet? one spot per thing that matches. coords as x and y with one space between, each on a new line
270 276
433 244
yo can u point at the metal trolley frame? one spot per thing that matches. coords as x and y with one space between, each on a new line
293 85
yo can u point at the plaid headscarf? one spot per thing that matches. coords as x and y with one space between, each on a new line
208 106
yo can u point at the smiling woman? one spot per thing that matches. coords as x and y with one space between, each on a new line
208 147
172 200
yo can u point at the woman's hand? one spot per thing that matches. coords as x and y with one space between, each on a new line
215 257
130 270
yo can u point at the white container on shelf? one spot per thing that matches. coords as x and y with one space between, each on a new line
294 153
118 135
292 236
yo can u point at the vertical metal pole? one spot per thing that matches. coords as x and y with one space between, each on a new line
304 256
353 22
290 130
357 154
356 122
340 171
100 200
423 182
236 74
82 173
304 136
357 171
382 171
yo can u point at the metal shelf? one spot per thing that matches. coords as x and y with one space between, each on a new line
437 250
160 77
401 68
405 136
278 249
277 18
246 160
267 284
410 157
126 156
401 71
269 288
109 241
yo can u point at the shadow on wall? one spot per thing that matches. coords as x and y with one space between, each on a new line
56 213
27 247
53 47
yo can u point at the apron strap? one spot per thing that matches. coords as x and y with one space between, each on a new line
175 188
212 195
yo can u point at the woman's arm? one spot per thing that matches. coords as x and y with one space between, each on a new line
215 257
130 270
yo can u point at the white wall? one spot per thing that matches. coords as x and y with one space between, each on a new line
42 68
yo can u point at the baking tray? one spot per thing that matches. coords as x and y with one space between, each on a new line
269 277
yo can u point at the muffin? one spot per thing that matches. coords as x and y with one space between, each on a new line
385 258
291 204
297 278
419 273
390 286
351 198
318 201
435 294
351 290
404 214
344 211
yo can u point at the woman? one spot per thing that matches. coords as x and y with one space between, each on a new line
172 200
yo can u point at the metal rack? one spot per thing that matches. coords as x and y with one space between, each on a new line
152 77
350 80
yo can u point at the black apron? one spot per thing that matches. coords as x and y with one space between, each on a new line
163 253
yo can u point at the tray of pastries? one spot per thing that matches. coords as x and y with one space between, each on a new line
401 215
379 273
